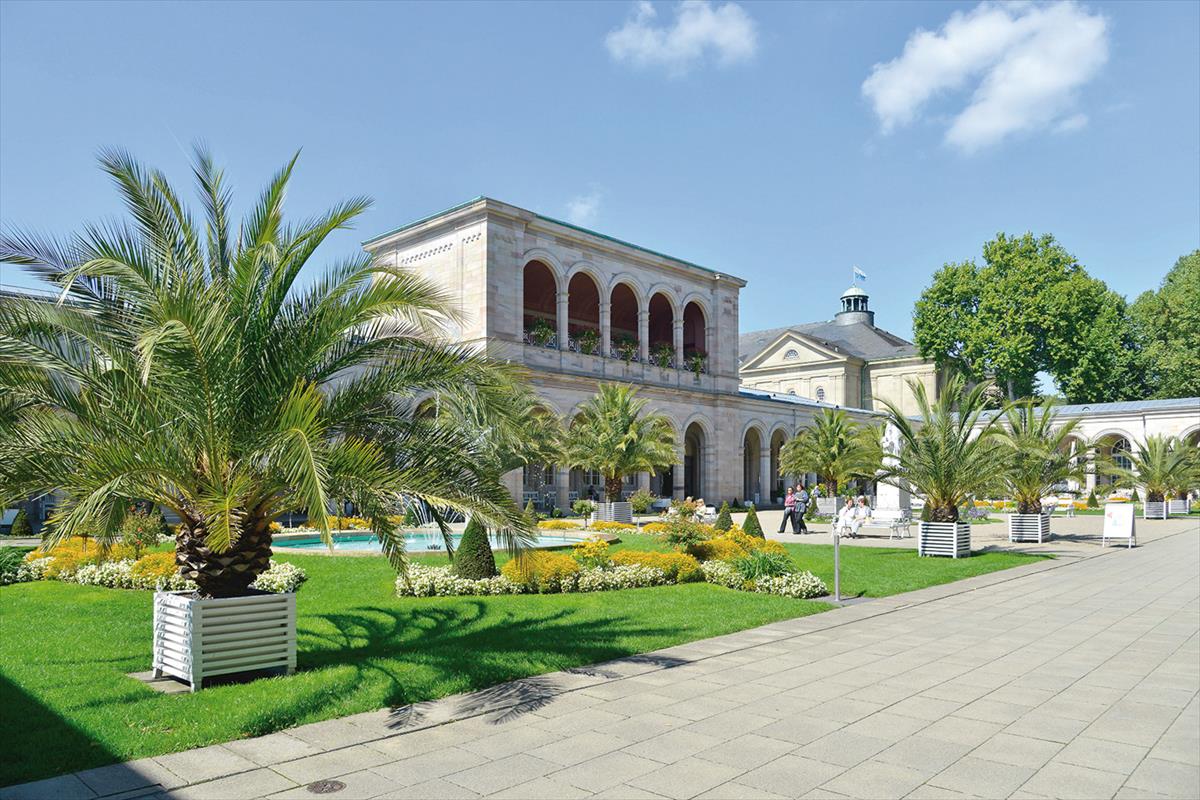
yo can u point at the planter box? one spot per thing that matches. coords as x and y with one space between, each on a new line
614 512
1179 506
1028 528
197 639
944 539
1154 510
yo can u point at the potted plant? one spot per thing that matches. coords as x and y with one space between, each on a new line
614 435
1037 458
627 349
1158 466
662 354
697 362
589 340
949 456
204 379
542 333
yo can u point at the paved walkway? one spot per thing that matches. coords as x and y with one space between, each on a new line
1072 678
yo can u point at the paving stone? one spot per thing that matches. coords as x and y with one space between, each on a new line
799 730
739 791
1166 777
926 755
644 726
1102 754
131 775
791 775
889 726
1020 751
496 776
580 747
672 746
256 783
205 763
747 752
1044 726
436 789
331 765
1181 747
541 788
625 792
876 779
844 748
272 748
64 787
1071 782
928 708
332 733
982 778
958 729
686 778
508 743
434 764
607 771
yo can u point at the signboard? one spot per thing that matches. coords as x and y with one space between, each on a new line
1118 524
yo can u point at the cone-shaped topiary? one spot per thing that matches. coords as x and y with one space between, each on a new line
724 520
1133 498
473 559
751 527
1091 501
20 525
531 513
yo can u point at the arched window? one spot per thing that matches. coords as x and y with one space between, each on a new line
820 394
791 355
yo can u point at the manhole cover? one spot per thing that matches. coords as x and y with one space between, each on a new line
325 787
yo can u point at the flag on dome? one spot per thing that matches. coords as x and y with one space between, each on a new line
859 275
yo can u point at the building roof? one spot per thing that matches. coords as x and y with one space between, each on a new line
856 339
796 400
854 291
1124 407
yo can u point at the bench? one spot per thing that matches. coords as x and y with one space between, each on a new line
897 522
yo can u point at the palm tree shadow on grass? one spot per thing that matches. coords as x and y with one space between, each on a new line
483 648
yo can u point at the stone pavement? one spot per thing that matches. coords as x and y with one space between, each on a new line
1073 678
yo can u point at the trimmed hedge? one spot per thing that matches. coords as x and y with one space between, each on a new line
474 559
20 525
724 520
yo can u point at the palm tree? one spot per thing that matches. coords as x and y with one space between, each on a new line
951 454
185 366
1161 465
836 448
613 436
1037 452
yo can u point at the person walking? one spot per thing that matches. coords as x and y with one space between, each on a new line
799 510
789 507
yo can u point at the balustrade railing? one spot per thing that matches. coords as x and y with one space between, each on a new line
549 341
575 344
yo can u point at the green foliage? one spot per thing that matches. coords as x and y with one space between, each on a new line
1036 453
684 533
836 448
20 525
474 558
751 526
199 374
584 508
530 513
724 520
11 559
1163 465
615 436
763 564
410 516
641 501
1030 307
1167 322
1092 502
140 530
1133 498
943 458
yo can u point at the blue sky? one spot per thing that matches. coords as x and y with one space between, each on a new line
780 142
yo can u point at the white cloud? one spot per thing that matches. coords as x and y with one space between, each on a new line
725 30
582 209
1025 60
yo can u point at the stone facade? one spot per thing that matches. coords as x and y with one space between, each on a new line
577 308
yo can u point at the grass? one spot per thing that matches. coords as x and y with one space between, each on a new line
65 649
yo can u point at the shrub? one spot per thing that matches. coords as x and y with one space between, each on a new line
280 577
542 571
800 585
751 526
422 581
763 564
530 512
683 533
154 567
630 576
1092 502
724 520
1133 498
607 525
678 567
641 500
140 530
557 525
474 559
69 556
20 525
584 508
722 573
11 561
732 544
655 528
591 552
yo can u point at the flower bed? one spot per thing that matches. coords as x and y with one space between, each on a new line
423 581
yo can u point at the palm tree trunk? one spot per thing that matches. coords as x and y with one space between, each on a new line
227 574
612 488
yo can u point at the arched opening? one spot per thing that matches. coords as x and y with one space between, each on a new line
583 314
1114 448
540 311
752 465
623 323
694 343
1077 449
693 461
778 440
661 331
537 480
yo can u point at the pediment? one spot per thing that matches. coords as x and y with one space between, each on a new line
792 348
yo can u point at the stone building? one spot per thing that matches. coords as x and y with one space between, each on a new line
846 361
576 307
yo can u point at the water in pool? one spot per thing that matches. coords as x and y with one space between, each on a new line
414 542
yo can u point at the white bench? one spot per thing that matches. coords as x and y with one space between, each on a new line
897 522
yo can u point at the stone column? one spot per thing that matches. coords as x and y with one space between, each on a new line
764 477
605 328
563 310
643 481
562 487
710 337
678 340
644 334
677 474
1090 485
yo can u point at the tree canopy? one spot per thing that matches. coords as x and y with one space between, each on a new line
1167 322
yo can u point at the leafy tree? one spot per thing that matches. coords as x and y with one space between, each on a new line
724 518
139 530
1037 453
1030 307
751 526
615 436
1161 465
1168 328
641 501
473 558
186 367
20 525
836 448
943 458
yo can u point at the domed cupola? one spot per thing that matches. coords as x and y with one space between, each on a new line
855 308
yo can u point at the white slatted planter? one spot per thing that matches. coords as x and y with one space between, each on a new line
614 512
1179 506
944 539
197 639
1156 510
1028 528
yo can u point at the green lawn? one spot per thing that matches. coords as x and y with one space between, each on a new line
65 650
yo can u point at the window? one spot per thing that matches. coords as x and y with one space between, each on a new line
791 355
820 394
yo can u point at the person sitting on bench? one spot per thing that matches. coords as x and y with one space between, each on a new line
853 516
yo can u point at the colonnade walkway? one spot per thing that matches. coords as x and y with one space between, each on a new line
1074 678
